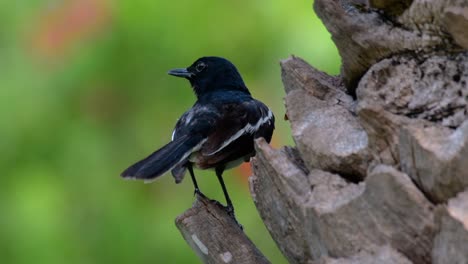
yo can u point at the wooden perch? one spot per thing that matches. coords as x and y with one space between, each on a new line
215 236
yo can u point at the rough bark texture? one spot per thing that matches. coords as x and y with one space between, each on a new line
380 255
436 160
215 236
320 214
379 173
366 175
365 35
451 242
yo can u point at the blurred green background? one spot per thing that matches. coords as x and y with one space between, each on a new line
84 93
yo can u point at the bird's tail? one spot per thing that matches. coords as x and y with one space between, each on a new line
163 159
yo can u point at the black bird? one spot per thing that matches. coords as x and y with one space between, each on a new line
217 133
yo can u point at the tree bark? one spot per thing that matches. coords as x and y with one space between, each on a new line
215 236
379 172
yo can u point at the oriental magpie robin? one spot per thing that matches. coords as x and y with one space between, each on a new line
217 133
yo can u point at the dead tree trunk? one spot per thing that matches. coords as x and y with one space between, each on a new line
379 173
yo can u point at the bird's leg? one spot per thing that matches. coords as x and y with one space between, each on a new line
195 184
219 174
229 207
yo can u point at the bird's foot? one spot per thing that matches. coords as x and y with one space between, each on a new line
230 211
199 193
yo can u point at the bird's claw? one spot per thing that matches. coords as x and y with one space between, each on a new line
230 211
198 192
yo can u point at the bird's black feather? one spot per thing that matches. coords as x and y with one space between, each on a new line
225 117
163 159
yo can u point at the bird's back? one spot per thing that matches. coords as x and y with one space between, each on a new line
235 120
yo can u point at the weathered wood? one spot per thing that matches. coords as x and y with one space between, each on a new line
365 36
436 159
383 130
391 7
297 74
380 255
451 241
455 19
433 88
279 186
322 143
320 214
215 236
325 130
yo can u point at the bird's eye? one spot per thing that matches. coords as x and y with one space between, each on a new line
200 67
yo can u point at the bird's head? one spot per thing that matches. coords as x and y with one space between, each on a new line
210 74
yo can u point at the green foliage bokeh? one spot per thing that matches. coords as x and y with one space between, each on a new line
80 101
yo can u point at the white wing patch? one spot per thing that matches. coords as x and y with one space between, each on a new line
194 149
189 117
247 129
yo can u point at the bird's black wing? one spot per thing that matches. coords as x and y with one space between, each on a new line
238 119
188 137
222 123
199 121
162 160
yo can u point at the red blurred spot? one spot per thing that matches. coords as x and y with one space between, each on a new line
74 20
245 170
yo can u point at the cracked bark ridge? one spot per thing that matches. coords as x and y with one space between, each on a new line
365 36
432 88
278 194
391 7
381 255
318 214
315 105
383 130
451 241
297 74
304 195
455 19
214 236
404 102
436 159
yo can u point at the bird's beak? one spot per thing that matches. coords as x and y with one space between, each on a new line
182 72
